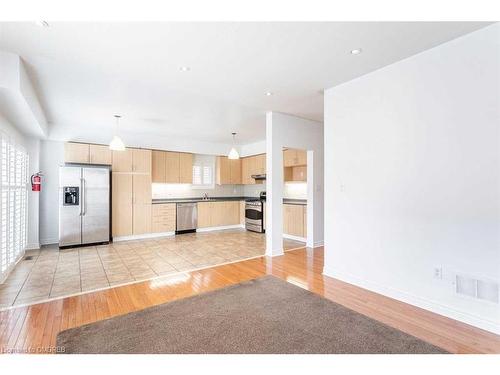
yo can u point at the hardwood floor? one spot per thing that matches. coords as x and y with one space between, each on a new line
34 328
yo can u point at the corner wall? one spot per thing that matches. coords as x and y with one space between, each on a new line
412 177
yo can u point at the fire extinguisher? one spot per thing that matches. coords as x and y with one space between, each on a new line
36 181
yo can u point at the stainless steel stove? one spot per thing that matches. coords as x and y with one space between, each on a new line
254 213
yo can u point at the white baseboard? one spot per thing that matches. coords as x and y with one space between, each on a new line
209 229
414 300
143 236
32 246
295 238
49 241
318 243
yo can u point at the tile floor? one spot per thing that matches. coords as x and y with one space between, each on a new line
53 273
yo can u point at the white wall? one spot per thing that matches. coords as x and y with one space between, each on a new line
289 131
412 177
51 157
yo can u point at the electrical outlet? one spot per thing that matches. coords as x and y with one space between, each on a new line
438 273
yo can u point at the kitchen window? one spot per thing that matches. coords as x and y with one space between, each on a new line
13 203
203 172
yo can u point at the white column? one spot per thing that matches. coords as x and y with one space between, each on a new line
274 189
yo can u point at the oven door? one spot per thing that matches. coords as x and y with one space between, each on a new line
254 217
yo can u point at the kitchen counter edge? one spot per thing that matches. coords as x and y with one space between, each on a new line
221 199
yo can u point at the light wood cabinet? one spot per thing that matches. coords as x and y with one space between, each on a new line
305 220
293 219
242 212
141 188
228 171
100 154
122 211
158 173
141 218
252 165
260 164
131 204
141 161
204 214
77 152
217 214
293 157
172 167
163 217
247 168
185 168
123 160
295 174
172 173
235 171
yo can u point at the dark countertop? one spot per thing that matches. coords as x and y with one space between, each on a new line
221 199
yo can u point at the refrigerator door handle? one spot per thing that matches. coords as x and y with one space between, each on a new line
82 202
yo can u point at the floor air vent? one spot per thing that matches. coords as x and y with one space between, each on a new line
475 288
29 257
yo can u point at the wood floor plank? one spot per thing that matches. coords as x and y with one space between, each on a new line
37 326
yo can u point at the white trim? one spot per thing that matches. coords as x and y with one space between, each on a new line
143 236
414 300
32 246
296 238
209 229
49 241
318 244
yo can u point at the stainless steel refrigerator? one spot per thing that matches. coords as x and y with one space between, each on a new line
84 205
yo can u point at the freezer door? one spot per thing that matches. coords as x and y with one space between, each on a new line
95 205
70 220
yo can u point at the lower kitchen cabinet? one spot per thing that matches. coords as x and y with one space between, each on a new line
217 214
163 217
293 220
141 218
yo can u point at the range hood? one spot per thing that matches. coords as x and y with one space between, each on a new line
259 176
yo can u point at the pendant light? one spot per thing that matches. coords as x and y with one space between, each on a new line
116 143
233 154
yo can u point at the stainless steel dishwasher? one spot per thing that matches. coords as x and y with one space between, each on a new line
187 218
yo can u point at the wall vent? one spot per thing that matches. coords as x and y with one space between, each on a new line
485 290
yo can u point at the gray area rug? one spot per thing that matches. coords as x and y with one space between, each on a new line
265 315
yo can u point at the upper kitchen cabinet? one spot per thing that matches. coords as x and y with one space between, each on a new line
252 165
294 158
132 160
84 153
100 154
172 167
172 164
247 168
159 169
228 171
141 161
77 152
260 164
122 161
185 168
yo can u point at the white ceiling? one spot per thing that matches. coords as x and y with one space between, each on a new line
86 72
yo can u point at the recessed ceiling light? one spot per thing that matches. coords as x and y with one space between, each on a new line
269 93
184 68
42 23
356 51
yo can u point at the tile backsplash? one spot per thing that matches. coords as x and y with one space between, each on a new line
167 191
